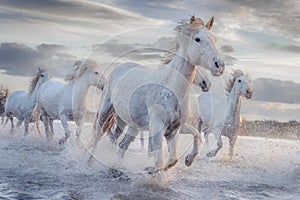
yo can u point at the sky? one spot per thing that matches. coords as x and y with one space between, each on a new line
259 37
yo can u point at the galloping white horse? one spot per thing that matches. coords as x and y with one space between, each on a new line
20 104
201 80
67 102
156 99
222 115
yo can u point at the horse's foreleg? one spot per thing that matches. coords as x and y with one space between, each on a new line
142 139
46 125
187 129
213 152
12 124
19 123
172 139
51 132
150 149
26 124
79 123
129 137
64 122
232 141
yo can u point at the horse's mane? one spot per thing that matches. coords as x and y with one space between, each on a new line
79 68
183 29
35 80
230 83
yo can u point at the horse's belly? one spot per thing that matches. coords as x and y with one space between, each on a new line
133 107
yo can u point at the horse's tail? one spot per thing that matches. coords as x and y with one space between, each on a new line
99 131
108 123
36 117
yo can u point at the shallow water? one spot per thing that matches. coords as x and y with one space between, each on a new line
33 168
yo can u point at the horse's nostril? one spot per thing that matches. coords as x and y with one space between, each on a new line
217 65
203 82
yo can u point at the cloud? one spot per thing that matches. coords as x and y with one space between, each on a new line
79 16
272 90
227 49
21 60
291 48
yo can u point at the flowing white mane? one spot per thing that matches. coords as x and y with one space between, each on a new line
35 80
79 68
184 29
230 83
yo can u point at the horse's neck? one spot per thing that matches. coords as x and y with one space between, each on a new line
32 95
182 74
80 89
233 106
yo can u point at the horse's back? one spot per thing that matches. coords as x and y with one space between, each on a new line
48 95
119 72
14 101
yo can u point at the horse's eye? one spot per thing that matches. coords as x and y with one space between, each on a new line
96 73
197 39
42 75
240 80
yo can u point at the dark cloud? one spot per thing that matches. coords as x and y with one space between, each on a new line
80 14
75 9
21 60
272 90
227 49
136 51
229 60
273 15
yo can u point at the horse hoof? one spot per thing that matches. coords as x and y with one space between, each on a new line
62 141
170 164
151 170
188 160
210 154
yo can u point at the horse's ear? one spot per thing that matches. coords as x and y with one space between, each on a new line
77 64
193 18
210 23
39 69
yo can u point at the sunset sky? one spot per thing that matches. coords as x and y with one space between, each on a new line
260 37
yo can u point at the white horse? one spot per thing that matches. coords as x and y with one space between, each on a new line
201 80
67 102
222 115
20 104
3 97
156 99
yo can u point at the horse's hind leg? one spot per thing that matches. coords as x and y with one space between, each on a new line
172 139
129 137
120 125
12 124
64 122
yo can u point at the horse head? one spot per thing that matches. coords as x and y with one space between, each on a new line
199 45
241 84
202 80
